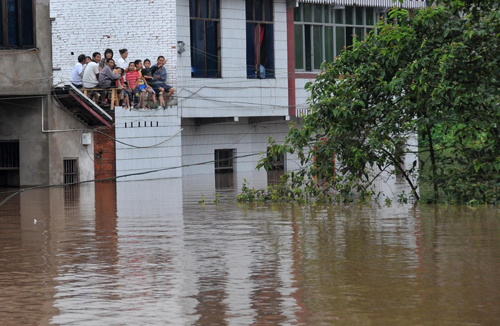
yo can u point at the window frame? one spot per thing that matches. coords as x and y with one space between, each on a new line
224 164
205 20
258 24
4 24
73 176
331 22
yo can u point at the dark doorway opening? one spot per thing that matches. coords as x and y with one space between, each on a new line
9 163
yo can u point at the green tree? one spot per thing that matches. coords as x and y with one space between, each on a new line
435 74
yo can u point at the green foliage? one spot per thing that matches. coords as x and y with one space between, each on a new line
217 198
435 75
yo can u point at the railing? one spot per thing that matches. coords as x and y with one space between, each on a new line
302 112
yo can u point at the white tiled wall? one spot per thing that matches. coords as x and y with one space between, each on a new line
200 142
233 95
157 149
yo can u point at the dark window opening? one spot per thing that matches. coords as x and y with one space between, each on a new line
260 39
17 24
277 162
205 38
9 163
224 160
274 176
70 171
224 181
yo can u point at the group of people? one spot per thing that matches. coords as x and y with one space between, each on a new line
133 78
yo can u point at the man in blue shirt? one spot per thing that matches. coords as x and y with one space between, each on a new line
159 83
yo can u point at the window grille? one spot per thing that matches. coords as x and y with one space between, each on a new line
224 160
70 171
9 155
278 163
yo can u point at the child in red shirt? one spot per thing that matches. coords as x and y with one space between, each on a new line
133 78
124 95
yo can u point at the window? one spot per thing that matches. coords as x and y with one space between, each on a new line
9 155
277 162
224 160
70 170
9 163
205 38
17 24
322 32
260 39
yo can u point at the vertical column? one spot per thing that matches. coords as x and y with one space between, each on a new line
291 59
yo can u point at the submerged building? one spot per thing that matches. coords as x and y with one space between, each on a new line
41 141
239 68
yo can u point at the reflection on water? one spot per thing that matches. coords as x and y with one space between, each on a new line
147 253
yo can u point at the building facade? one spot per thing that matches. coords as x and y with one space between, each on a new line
239 68
40 142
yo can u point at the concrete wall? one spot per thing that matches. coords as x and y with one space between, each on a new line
146 28
152 132
64 145
233 95
200 142
25 71
21 120
42 153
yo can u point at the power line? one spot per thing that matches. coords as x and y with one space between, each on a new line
124 176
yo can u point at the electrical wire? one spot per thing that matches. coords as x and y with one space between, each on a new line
130 145
124 176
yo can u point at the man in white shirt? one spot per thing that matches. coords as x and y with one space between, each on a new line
76 77
91 74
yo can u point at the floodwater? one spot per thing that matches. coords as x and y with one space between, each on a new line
148 253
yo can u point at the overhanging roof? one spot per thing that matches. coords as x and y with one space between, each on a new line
82 107
411 4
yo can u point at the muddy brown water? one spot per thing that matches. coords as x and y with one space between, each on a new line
148 253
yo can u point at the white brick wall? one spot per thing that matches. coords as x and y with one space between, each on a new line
147 28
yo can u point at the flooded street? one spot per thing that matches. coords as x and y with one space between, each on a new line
148 253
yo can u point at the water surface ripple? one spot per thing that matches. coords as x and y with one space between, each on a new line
148 253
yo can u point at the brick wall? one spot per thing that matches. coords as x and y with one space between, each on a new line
104 153
147 28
